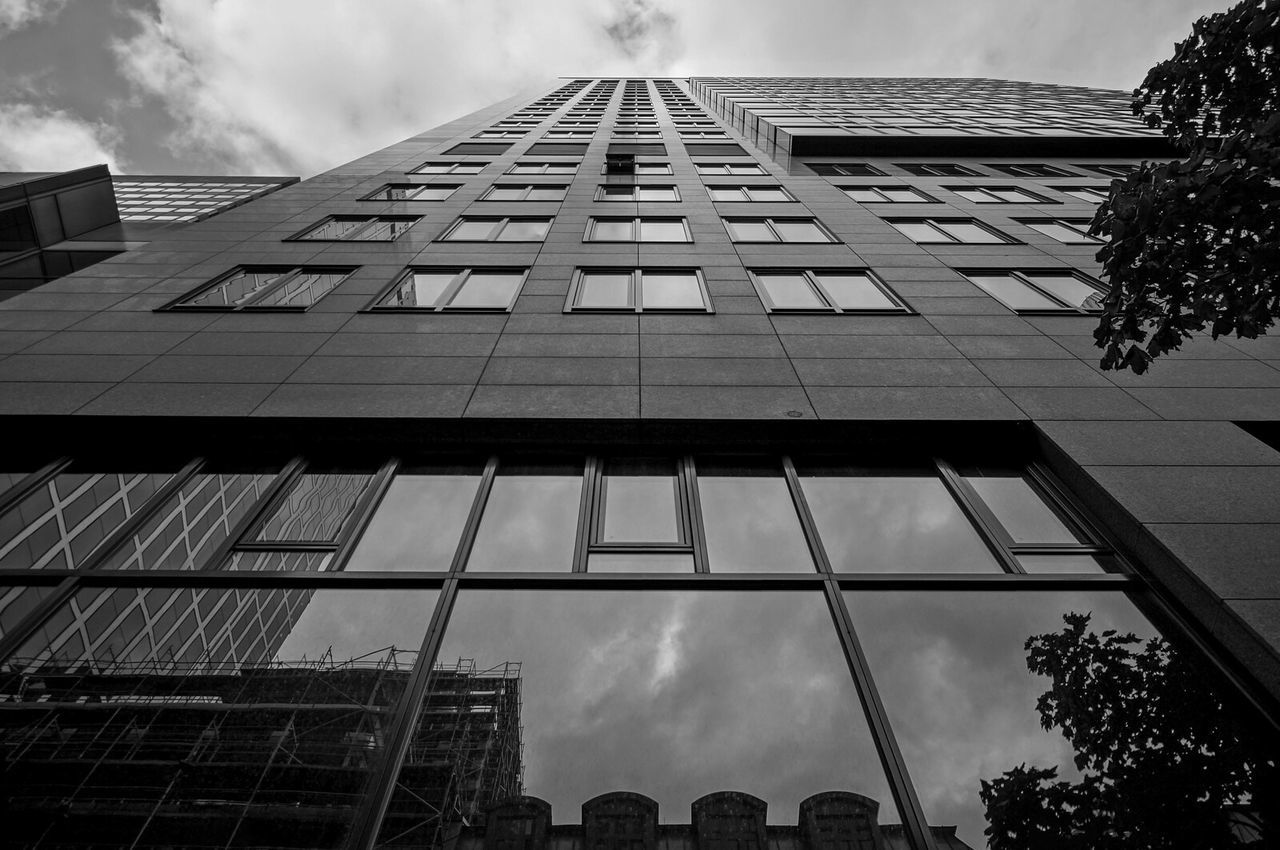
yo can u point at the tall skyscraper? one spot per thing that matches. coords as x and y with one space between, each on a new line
633 448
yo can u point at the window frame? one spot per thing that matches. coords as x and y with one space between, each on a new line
593 220
500 224
704 169
635 295
601 194
1005 239
666 166
528 190
859 169
1022 276
288 273
746 190
369 222
1073 224
990 198
768 221
545 165
811 278
453 167
924 197
937 169
453 187
462 275
1032 170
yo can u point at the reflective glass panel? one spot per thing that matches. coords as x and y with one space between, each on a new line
750 524
651 562
1021 510
970 233
469 229
742 230
726 194
506 193
655 692
656 193
1015 294
767 193
546 193
604 289
791 292
612 229
344 227
278 561
59 524
17 602
918 231
799 231
259 712
670 291
854 291
1070 289
890 523
419 289
240 287
1061 232
488 290
640 503
529 523
417 524
662 230
864 196
1060 563
317 505
997 697
525 230
301 290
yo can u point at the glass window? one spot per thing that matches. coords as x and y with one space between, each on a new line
855 291
502 192
937 169
1063 230
640 502
316 507
657 692
996 195
530 521
844 169
524 230
653 168
454 289
657 289
637 229
795 230
1034 290
611 230
1085 193
236 288
637 193
487 290
604 289
674 290
747 230
961 230
250 706
544 168
890 521
663 230
1030 169
418 523
750 522
301 289
1042 727
886 195
791 292
824 289
348 228
1021 510
776 230
1013 292
450 168
414 192
734 168
469 229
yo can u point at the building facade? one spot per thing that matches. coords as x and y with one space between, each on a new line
633 446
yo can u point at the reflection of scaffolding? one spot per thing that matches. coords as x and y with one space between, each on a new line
465 754
271 754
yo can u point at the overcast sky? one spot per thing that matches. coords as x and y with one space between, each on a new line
299 86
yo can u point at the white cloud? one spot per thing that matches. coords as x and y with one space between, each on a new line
38 139
16 14
302 85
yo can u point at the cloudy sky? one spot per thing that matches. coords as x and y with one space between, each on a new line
298 86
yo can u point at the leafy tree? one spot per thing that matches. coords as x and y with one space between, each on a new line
1164 763
1195 243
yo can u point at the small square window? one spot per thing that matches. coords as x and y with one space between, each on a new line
485 289
776 230
1041 291
639 290
825 290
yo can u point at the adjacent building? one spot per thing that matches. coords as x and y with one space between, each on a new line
730 446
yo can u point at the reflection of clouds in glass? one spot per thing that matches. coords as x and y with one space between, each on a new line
952 671
894 524
355 622
676 695
529 523
417 524
751 526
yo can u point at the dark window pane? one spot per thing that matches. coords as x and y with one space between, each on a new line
529 524
316 507
258 709
894 523
656 692
236 289
279 561
417 525
17 602
978 685
751 525
1021 510
338 228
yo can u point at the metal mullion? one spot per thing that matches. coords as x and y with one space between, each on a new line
286 546
451 291
984 581
358 521
472 525
1043 484
994 535
130 526
31 483
37 616
267 290
382 783
636 293
1026 281
914 821
816 285
807 523
255 517
590 504
699 539
683 504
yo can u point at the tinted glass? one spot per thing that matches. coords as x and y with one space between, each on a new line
855 292
662 230
301 290
1014 293
526 230
494 290
236 289
1035 681
316 507
791 292
255 708
893 523
1070 289
420 289
417 524
751 525
640 504
671 290
799 231
529 524
612 229
741 230
1021 510
655 692
601 289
